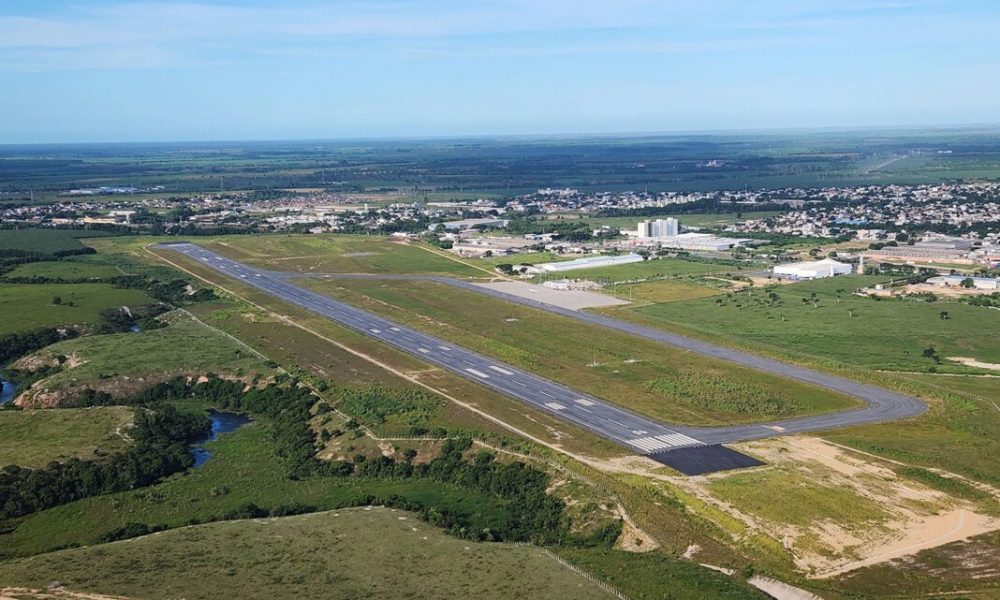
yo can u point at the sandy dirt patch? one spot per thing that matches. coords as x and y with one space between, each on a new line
633 538
571 299
919 517
971 362
11 593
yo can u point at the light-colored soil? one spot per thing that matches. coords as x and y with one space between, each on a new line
971 362
632 538
58 593
943 290
919 517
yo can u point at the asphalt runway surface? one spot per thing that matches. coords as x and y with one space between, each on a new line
636 432
633 431
879 404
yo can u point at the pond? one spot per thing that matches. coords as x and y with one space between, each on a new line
222 422
7 391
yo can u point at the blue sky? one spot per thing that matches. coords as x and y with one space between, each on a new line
108 70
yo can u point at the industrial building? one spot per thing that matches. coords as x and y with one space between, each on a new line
813 269
704 242
470 223
589 263
990 284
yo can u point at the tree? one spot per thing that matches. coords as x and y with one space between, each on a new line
943 314
57 300
967 283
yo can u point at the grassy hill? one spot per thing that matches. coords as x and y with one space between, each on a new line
352 553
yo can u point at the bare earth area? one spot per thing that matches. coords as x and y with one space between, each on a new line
971 362
882 517
571 299
917 517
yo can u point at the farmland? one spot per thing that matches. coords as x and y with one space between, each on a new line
29 306
64 269
45 241
321 555
33 438
663 382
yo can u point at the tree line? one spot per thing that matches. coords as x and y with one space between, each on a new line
160 449
287 407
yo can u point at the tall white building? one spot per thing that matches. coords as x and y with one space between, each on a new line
668 227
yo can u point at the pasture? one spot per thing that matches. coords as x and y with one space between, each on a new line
658 268
316 556
822 321
45 241
64 269
33 438
30 306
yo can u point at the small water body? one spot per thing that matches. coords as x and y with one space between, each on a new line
222 422
7 391
134 329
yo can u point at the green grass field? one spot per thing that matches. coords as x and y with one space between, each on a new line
662 382
123 362
338 254
957 434
651 269
32 438
64 269
664 290
45 241
30 306
804 501
331 555
352 553
889 334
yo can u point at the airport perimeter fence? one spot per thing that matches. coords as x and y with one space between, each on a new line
607 587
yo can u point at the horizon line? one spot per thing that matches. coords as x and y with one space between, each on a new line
537 136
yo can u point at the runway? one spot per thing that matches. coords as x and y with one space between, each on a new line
880 405
636 432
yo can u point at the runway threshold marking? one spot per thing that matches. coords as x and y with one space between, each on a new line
478 373
662 442
555 406
500 370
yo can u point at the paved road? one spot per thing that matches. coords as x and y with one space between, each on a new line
634 431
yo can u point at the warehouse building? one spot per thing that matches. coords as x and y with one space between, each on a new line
813 269
991 284
589 263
